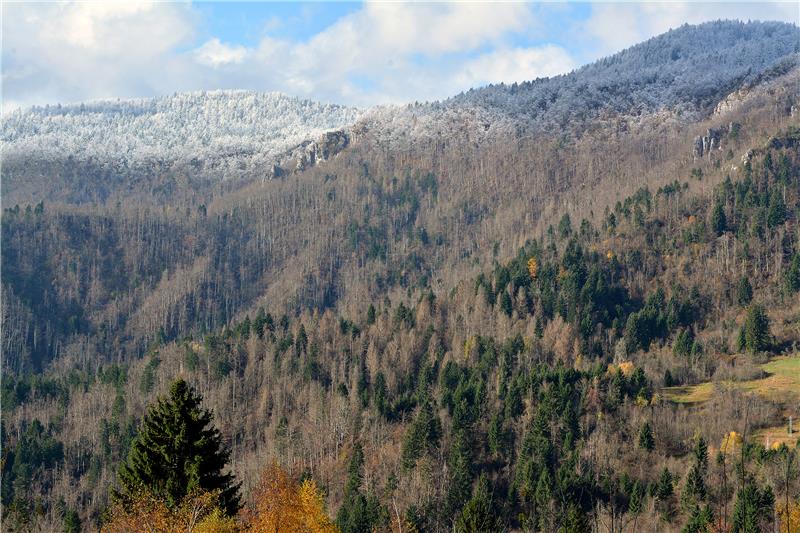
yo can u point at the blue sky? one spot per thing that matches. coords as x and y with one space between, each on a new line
353 53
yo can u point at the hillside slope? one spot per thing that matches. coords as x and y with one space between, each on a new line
477 310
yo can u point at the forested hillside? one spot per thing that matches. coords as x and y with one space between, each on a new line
587 328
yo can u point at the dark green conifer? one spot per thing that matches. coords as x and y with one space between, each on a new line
744 292
176 451
646 440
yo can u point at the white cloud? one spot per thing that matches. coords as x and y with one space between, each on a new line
62 52
215 53
381 53
516 65
78 51
614 26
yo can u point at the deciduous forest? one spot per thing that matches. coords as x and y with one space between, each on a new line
587 326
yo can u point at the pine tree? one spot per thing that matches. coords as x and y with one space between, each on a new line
505 304
682 346
753 509
176 452
776 213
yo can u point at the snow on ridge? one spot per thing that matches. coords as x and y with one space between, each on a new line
181 126
685 71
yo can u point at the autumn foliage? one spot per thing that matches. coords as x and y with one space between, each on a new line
533 267
198 512
279 504
282 505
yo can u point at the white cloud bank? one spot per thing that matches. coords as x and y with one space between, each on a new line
382 53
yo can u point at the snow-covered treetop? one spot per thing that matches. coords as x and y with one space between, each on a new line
686 70
187 125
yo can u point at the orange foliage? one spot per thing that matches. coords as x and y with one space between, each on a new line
627 368
281 505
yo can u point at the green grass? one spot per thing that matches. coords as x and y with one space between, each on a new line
780 386
689 394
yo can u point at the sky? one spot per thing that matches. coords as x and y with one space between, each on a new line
359 54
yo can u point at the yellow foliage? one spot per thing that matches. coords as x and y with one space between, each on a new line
533 267
562 273
197 513
789 520
730 442
314 508
610 255
281 505
627 368
469 345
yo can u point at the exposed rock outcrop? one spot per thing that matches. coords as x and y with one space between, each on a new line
705 144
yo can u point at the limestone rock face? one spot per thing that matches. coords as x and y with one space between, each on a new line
708 142
310 153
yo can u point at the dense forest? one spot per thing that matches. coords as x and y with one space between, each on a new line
558 332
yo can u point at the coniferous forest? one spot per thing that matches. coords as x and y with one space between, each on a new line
594 327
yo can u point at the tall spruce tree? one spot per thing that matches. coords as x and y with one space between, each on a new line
177 451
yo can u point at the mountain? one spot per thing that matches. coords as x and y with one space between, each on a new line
685 71
212 136
198 140
537 307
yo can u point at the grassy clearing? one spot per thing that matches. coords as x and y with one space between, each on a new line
689 394
777 435
780 386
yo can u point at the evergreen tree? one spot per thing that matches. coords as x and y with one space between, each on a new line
478 515
744 292
575 521
564 226
754 335
505 304
753 509
718 221
776 213
792 275
459 462
423 435
663 489
358 513
381 395
177 451
683 343
646 440
371 314
72 522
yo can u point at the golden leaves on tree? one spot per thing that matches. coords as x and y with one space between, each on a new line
282 505
533 267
